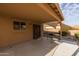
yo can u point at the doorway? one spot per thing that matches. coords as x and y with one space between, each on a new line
36 31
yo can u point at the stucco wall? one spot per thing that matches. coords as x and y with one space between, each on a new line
9 36
50 28
72 32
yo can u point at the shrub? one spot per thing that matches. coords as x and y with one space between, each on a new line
64 33
77 35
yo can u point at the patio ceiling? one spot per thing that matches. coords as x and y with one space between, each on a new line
34 12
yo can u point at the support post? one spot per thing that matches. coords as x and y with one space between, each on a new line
60 30
41 31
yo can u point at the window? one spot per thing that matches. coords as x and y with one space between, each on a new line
23 25
16 25
19 25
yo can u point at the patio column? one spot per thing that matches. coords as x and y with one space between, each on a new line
60 30
42 31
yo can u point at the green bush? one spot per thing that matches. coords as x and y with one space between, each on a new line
77 35
64 33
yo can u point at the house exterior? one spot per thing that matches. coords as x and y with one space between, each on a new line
52 26
71 29
55 27
23 22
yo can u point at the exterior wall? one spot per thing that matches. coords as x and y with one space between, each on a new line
50 28
72 32
9 36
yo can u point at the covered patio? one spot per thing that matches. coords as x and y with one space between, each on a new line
24 22
29 40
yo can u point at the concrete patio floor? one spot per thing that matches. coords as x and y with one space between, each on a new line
43 48
30 48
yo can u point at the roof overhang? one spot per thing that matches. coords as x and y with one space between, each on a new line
33 12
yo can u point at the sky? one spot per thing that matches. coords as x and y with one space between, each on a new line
71 13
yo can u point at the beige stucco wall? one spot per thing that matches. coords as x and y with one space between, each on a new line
72 32
9 36
50 28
